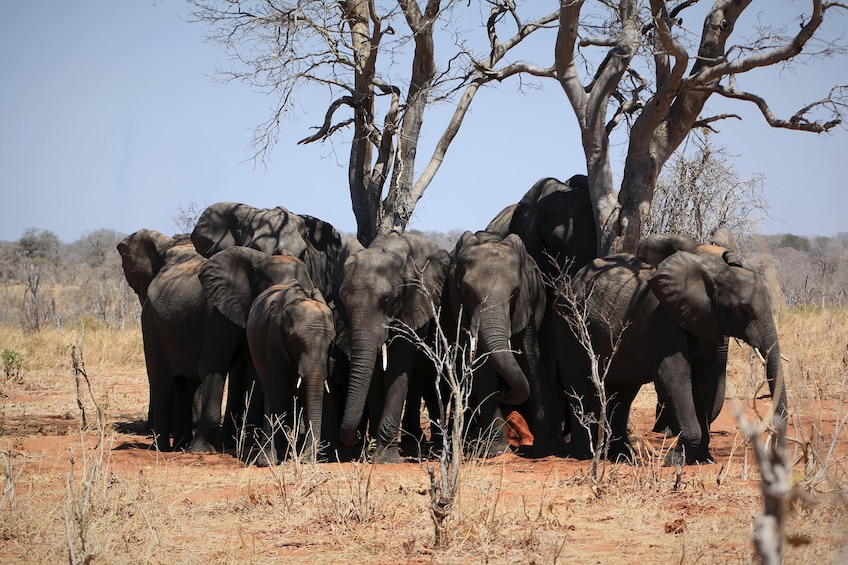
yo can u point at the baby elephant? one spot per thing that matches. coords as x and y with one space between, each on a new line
288 328
289 333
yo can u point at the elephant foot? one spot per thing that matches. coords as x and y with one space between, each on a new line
411 449
541 449
675 457
264 459
226 438
487 448
387 454
201 444
703 457
182 444
621 452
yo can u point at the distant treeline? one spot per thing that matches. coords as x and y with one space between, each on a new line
45 282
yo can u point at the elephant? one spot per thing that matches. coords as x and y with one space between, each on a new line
289 330
666 323
178 323
228 224
556 222
397 279
232 279
495 293
655 249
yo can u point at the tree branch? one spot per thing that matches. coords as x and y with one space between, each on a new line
327 128
798 121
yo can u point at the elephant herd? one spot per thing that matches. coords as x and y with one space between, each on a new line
319 341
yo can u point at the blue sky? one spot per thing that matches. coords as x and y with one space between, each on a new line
111 119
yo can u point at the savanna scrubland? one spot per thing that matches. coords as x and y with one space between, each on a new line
81 484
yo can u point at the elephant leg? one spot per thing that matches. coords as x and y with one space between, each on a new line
676 375
412 435
210 414
279 422
486 433
542 410
162 394
664 422
238 384
434 411
708 390
396 387
620 399
581 399
162 398
719 374
221 340
185 389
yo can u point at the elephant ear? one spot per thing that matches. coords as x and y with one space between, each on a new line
654 249
723 237
467 238
143 255
318 296
350 247
231 281
532 298
685 286
424 274
500 223
323 246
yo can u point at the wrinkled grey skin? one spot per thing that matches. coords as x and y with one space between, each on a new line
177 322
229 224
654 250
275 230
556 222
671 320
396 280
231 280
497 288
290 332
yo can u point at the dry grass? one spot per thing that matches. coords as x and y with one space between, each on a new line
122 503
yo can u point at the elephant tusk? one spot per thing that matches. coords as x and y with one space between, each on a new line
509 344
473 346
385 352
299 381
760 356
327 386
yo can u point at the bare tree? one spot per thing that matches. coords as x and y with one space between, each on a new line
700 192
657 82
354 49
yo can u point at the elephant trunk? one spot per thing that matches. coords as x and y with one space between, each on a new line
494 338
314 374
365 344
763 336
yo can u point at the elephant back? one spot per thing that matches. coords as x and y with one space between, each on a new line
176 289
145 253
556 221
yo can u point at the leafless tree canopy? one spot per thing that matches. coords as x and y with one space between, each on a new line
700 191
377 62
654 78
620 63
